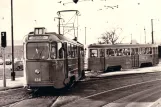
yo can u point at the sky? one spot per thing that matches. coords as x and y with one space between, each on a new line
132 16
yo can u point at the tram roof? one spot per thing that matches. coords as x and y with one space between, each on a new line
52 36
121 45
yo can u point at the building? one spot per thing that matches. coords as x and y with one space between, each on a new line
18 50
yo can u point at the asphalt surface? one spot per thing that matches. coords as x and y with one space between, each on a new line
130 90
112 90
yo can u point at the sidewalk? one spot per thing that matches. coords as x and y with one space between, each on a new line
124 72
12 84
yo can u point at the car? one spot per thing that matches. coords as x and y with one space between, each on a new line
8 62
18 66
1 62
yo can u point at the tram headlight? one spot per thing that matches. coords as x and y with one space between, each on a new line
37 71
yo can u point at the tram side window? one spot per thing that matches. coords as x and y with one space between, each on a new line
75 51
72 51
69 51
133 51
82 52
156 50
93 53
153 50
53 53
148 50
142 51
107 52
102 52
110 52
119 52
126 51
60 50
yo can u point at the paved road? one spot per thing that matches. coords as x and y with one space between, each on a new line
140 90
137 90
138 95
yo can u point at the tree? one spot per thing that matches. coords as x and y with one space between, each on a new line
111 37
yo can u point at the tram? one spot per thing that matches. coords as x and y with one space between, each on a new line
51 60
105 57
159 51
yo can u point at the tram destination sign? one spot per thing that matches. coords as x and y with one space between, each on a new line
40 37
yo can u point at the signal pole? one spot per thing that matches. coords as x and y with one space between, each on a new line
4 74
3 45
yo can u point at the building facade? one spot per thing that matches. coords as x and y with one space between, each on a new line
18 52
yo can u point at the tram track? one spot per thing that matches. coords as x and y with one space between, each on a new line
134 98
35 98
124 79
99 101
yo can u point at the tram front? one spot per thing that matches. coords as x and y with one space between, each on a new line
41 61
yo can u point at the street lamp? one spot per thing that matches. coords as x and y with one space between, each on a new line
12 73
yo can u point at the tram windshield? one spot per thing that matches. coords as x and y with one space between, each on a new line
37 50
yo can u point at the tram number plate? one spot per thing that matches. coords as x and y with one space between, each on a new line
37 79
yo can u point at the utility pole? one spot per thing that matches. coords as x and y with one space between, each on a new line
4 72
131 38
12 73
152 31
85 35
145 34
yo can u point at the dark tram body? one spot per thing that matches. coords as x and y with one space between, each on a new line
51 60
104 57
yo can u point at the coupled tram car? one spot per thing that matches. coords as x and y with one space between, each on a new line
51 60
104 57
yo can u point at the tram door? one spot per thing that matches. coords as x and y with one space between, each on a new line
80 63
102 59
135 57
65 59
155 56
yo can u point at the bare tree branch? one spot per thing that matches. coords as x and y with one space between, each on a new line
110 37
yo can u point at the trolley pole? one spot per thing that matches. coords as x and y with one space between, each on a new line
152 31
59 18
4 74
12 73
